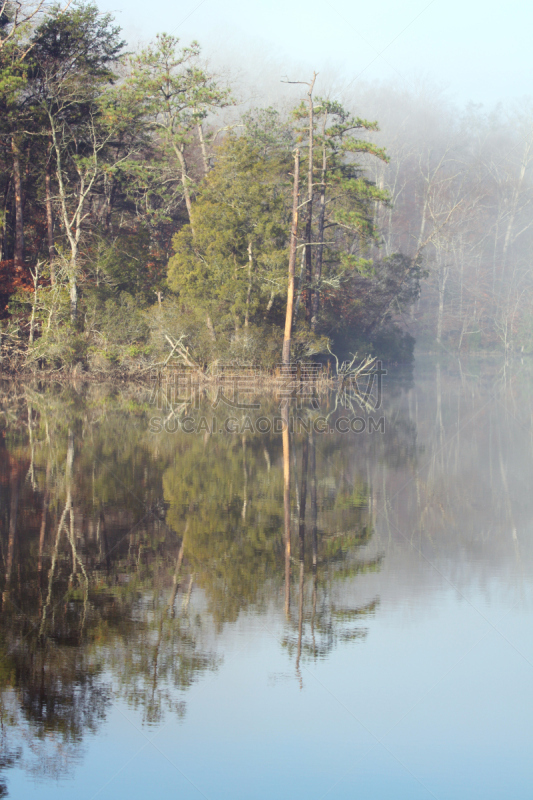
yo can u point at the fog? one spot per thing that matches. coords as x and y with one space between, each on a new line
460 184
459 176
480 53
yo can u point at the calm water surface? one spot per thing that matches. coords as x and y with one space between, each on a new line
161 636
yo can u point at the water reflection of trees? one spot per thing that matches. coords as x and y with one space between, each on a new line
123 552
108 533
324 557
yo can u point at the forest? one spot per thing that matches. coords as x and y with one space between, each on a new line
146 204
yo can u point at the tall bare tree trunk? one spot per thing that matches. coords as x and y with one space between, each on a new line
315 303
50 226
514 202
3 242
109 194
19 219
301 282
443 279
73 289
35 276
50 216
249 292
286 354
72 225
205 157
423 222
309 209
185 184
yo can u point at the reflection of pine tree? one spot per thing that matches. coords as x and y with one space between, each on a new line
330 558
328 552
325 626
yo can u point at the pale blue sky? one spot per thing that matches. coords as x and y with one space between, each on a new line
480 51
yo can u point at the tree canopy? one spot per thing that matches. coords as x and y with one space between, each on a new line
133 182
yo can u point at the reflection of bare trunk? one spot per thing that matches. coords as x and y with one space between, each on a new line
168 608
72 539
187 599
71 530
12 531
176 576
300 618
312 482
286 355
31 471
313 612
287 504
102 527
245 477
42 532
301 541
303 496
51 572
68 481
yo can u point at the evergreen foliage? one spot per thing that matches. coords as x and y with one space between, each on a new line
131 213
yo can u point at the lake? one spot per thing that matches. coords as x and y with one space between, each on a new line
229 609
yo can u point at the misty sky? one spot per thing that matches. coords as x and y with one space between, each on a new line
479 51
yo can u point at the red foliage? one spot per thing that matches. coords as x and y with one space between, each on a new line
12 278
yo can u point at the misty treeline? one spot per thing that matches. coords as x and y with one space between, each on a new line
146 208
461 191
